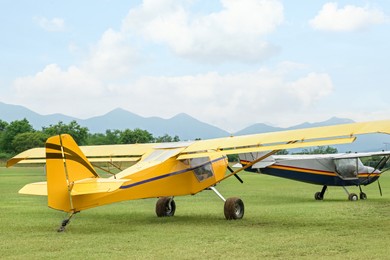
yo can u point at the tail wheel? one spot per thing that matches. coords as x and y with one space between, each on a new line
165 207
234 208
352 197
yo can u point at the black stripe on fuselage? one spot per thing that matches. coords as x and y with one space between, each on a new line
170 174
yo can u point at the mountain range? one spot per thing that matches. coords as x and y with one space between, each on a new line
182 125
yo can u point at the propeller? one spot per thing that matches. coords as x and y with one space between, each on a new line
379 187
380 165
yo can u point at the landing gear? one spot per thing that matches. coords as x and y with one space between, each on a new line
65 222
363 196
352 197
234 208
320 195
165 207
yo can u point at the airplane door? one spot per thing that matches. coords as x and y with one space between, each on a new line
348 168
202 168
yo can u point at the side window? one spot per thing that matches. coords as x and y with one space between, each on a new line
347 168
202 168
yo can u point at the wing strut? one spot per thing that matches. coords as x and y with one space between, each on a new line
235 175
253 162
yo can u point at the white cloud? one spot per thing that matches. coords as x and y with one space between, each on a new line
311 88
112 57
237 32
105 79
52 25
348 18
213 97
70 91
249 97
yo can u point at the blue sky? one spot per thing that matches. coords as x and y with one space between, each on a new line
228 63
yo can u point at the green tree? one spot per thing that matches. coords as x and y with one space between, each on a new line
113 136
136 136
11 131
3 125
28 140
110 137
166 139
282 152
79 133
320 150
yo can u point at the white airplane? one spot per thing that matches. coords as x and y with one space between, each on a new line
321 169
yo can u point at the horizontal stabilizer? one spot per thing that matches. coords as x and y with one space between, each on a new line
81 187
96 185
36 188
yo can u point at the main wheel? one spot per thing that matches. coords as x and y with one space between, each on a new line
234 208
165 207
352 197
363 196
318 196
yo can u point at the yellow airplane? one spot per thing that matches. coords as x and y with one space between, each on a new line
163 170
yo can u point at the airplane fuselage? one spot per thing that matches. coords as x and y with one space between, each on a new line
159 179
320 170
319 177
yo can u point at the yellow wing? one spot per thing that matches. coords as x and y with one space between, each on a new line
94 153
317 136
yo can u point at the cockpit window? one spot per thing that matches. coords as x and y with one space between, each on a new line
202 168
349 168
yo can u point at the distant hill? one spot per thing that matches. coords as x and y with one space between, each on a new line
182 125
263 128
11 113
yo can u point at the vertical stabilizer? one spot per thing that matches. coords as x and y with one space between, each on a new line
65 164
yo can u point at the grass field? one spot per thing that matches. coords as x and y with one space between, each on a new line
282 220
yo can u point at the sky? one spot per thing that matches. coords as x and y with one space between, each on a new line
228 63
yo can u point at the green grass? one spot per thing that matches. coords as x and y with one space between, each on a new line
282 220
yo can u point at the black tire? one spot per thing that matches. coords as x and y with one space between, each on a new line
165 207
363 196
318 196
353 197
234 208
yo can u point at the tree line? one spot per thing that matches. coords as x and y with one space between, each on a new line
19 135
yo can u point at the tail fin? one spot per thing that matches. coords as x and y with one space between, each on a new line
65 164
